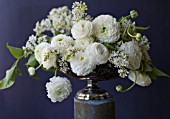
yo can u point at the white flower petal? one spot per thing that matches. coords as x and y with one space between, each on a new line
98 53
48 58
58 89
106 28
142 79
62 43
38 51
82 29
81 64
132 50
81 44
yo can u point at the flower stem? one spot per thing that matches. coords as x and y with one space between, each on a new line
38 67
55 72
120 87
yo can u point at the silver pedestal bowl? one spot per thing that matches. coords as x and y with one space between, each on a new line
92 91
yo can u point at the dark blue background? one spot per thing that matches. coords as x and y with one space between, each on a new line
27 98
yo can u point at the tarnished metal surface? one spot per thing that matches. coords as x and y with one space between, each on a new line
94 109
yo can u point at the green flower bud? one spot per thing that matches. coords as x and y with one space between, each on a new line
138 36
133 14
119 88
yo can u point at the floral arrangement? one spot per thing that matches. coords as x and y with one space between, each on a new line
71 40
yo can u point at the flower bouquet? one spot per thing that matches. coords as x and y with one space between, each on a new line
73 42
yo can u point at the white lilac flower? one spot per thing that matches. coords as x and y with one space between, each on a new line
30 45
78 11
142 79
42 39
69 54
81 44
62 43
38 51
48 57
82 29
133 51
61 19
81 64
58 89
31 71
144 45
126 22
119 59
123 72
98 53
44 25
106 28
63 65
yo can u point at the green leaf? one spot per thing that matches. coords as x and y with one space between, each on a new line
156 72
147 67
9 79
16 52
18 71
141 29
109 46
32 61
56 32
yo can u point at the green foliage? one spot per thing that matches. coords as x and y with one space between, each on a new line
140 29
56 32
147 68
110 46
9 79
16 52
32 62
156 72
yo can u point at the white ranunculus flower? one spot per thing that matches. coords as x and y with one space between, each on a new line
106 28
81 44
31 71
98 53
58 88
82 29
38 51
48 58
62 43
133 52
81 64
142 79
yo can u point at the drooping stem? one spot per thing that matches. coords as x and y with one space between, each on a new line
119 87
55 72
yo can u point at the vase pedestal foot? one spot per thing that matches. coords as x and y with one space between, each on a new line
94 109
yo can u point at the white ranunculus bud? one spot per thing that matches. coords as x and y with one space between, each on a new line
58 89
81 64
81 44
98 53
106 28
142 79
38 51
31 71
82 29
48 58
62 43
133 52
